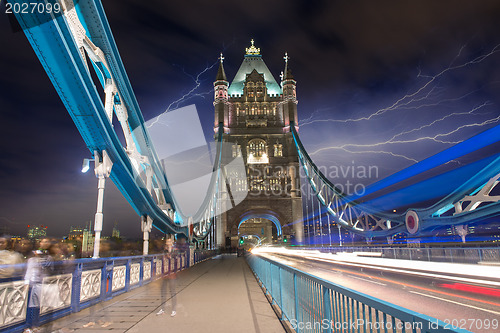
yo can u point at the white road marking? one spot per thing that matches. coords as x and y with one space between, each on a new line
376 282
447 300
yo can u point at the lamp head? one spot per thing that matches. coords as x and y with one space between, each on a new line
86 165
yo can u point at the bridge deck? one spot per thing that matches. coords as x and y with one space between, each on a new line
217 295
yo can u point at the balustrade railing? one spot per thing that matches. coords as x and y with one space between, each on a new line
74 285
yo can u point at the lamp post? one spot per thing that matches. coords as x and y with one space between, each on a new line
102 170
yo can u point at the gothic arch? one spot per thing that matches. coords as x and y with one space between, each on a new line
268 215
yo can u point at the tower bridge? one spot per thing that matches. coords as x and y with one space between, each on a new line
256 121
256 114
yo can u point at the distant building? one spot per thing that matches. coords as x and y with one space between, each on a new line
87 240
116 232
37 231
75 232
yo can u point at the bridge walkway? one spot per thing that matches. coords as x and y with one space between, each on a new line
218 295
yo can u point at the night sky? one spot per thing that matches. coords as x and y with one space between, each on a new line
379 83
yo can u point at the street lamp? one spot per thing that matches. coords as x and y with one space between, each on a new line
102 171
86 164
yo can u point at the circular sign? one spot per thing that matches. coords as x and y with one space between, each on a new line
412 222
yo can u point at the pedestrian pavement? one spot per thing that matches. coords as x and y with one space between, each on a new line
217 295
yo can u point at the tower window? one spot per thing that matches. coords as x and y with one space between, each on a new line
278 150
257 152
236 150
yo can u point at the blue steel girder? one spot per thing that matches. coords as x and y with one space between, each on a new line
466 198
52 41
93 18
463 148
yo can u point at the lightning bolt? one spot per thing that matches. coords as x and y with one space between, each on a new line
392 141
416 100
344 148
188 95
410 98
440 120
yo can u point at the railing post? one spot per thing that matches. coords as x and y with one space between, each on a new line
296 298
127 274
75 286
327 308
141 271
104 281
109 280
270 281
281 291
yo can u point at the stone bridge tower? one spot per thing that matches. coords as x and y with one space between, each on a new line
257 113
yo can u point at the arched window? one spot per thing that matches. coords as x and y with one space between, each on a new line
250 87
257 152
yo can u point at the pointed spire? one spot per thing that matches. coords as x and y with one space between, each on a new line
287 73
221 74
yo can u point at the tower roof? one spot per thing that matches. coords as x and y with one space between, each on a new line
253 61
287 74
221 74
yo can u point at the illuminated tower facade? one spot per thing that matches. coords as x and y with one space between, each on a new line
256 113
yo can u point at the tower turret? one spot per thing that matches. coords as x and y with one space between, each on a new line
289 86
221 103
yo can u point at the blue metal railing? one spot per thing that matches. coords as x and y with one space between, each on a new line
311 304
84 282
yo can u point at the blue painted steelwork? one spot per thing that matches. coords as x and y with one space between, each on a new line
374 219
106 266
452 185
463 148
54 44
345 212
311 304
